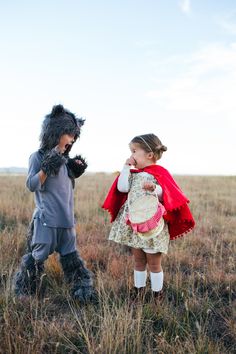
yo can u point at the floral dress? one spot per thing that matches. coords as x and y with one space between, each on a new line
123 233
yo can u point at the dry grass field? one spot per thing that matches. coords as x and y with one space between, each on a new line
198 312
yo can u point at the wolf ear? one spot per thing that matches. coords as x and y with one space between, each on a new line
57 110
79 122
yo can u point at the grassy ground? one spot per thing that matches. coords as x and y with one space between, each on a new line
198 312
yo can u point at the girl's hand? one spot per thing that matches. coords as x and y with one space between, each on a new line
130 161
149 186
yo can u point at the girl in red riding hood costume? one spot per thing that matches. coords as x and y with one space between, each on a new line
147 209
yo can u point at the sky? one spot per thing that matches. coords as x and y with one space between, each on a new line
128 67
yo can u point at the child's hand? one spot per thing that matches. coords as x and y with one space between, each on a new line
130 161
149 186
77 165
79 162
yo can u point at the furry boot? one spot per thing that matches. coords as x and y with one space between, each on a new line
79 277
27 280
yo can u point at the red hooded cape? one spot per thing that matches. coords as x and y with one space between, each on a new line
178 216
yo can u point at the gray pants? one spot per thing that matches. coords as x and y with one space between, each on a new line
46 240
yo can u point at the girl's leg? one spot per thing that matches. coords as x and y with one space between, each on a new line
140 272
156 272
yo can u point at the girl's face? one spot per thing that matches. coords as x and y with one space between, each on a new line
65 141
141 157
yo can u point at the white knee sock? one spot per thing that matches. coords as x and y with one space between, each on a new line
157 281
140 278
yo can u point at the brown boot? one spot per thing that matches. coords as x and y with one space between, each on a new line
158 296
137 296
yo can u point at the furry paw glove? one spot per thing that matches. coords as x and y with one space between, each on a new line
52 162
77 166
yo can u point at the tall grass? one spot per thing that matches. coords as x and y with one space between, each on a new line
197 314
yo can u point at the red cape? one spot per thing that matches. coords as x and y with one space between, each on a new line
178 216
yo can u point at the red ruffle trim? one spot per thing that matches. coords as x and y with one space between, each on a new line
149 224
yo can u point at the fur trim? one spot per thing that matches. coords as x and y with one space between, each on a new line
52 162
77 166
60 121
75 270
27 279
80 278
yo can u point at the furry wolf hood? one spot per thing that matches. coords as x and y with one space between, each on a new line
60 121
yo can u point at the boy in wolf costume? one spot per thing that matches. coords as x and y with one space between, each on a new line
51 177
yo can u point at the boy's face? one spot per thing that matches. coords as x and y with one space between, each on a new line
65 141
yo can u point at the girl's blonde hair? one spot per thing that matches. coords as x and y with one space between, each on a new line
150 143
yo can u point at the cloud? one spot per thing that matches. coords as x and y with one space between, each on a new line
228 22
185 6
204 81
195 98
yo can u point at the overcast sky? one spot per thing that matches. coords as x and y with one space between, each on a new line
166 67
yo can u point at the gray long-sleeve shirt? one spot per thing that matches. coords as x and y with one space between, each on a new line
54 199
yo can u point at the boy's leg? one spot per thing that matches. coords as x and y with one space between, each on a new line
28 277
66 241
76 273
44 241
41 251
